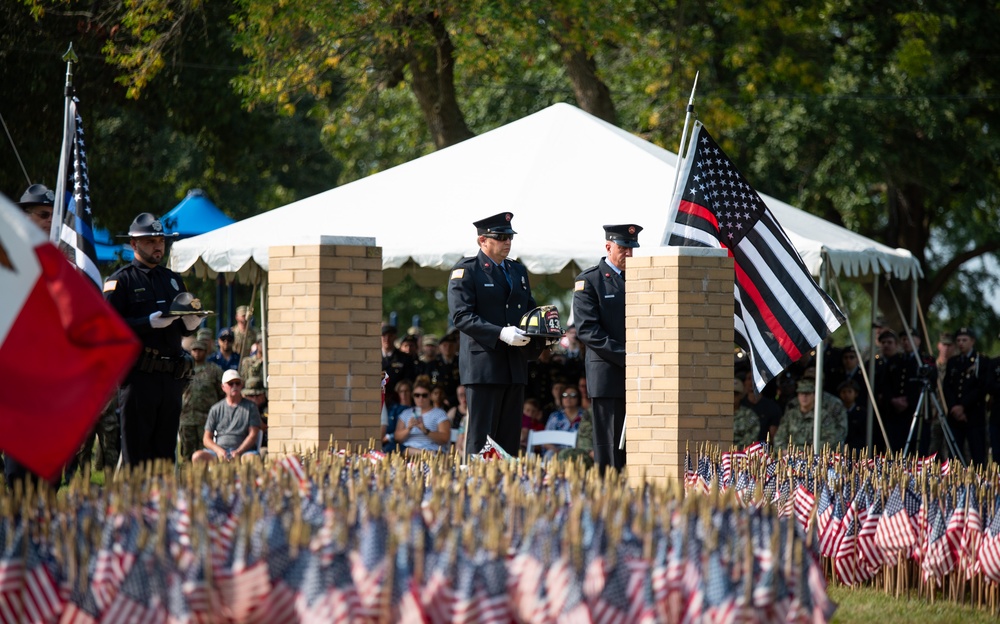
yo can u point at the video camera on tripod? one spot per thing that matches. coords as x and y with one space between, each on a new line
928 401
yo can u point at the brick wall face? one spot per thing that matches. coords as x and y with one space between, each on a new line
324 318
679 363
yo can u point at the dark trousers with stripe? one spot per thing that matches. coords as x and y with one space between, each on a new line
609 420
495 410
150 406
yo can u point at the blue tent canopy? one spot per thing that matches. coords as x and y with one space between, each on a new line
196 214
107 249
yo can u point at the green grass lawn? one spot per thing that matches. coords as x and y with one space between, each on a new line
870 606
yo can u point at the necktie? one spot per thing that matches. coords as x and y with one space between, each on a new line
503 267
623 275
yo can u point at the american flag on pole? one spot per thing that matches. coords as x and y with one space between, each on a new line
780 311
74 232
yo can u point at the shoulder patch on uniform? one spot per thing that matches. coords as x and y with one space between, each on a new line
458 274
580 284
110 285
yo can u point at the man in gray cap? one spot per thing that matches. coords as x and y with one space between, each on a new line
150 396
487 296
599 315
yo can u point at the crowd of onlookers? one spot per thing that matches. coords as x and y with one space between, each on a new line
425 407
908 385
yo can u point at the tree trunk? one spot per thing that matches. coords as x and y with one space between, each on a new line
591 93
433 70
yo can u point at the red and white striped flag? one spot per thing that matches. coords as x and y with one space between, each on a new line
780 312
56 332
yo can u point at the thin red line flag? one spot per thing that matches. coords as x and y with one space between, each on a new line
62 348
780 311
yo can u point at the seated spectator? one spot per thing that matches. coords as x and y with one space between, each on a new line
746 422
438 398
797 422
457 416
403 400
232 427
423 427
555 402
531 420
255 391
857 418
225 357
566 419
767 409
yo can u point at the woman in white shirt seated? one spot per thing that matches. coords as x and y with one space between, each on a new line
423 427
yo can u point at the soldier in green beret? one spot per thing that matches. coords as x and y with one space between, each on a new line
797 422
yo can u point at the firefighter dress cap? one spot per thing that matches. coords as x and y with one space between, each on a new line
146 225
497 224
37 195
542 322
626 235
965 331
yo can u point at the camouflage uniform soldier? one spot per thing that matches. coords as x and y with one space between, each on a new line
204 391
746 422
108 432
243 335
584 448
797 422
252 365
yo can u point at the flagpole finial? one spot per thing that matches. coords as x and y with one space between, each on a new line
70 56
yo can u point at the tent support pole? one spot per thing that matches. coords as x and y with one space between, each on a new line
263 327
869 441
818 390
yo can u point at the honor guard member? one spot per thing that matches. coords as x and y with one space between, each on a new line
964 384
487 296
38 202
599 315
150 397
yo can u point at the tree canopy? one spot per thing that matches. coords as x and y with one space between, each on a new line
878 115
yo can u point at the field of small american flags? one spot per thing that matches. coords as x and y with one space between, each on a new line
746 537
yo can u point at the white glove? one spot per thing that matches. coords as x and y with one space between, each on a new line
192 322
514 336
157 321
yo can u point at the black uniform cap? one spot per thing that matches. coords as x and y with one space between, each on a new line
965 331
146 225
626 235
497 224
37 195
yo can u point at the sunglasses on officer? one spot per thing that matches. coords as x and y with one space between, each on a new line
41 214
500 237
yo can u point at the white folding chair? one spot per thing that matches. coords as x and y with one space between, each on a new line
537 438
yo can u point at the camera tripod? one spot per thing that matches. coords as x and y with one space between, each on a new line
922 413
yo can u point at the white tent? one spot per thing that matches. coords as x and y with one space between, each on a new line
562 172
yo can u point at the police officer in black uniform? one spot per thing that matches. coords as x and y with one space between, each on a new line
964 384
150 396
487 296
599 314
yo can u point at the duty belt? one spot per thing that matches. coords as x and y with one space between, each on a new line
150 361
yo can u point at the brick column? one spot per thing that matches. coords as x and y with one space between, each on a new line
324 357
679 363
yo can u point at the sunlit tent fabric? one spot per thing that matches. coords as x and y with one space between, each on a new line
561 171
194 215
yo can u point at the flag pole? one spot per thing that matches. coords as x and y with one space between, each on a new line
674 200
59 208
